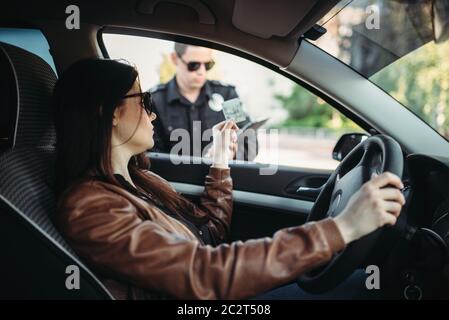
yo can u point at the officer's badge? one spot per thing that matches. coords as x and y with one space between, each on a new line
216 102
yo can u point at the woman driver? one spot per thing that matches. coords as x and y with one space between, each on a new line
145 239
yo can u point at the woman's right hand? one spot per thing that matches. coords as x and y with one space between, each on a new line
377 203
224 143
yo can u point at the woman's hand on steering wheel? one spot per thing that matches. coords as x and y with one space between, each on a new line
376 204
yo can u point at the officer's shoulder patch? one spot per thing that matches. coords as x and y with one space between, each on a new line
221 84
159 87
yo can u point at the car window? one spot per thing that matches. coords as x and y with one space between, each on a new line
301 130
401 46
31 40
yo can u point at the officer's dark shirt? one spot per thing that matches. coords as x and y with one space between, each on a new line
174 111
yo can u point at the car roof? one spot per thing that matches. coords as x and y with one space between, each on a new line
266 29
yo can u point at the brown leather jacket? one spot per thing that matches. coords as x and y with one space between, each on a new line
134 242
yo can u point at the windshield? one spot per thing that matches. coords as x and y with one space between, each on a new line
401 46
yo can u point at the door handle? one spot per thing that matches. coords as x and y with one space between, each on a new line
307 188
308 192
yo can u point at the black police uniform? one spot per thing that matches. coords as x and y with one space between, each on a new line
174 111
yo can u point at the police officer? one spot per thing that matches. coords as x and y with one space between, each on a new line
191 102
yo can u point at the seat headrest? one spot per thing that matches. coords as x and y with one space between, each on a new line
26 91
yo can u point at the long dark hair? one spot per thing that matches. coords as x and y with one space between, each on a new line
84 99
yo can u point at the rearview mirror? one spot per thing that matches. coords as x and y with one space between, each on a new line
440 20
346 143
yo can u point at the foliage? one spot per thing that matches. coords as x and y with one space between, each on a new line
166 70
420 81
307 110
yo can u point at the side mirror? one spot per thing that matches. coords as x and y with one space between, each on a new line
346 143
440 20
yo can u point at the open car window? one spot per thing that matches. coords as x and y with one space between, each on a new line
301 130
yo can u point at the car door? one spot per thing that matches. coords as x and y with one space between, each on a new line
262 203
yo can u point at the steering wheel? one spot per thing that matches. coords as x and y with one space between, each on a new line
376 154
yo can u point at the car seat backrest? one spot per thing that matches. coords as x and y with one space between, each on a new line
34 256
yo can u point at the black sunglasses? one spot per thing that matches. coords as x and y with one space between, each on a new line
146 102
194 65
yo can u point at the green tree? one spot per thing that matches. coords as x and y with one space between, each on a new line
307 110
420 81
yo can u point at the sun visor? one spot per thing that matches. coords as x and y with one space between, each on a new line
284 18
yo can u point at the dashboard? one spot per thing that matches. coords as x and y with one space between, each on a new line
426 180
417 266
